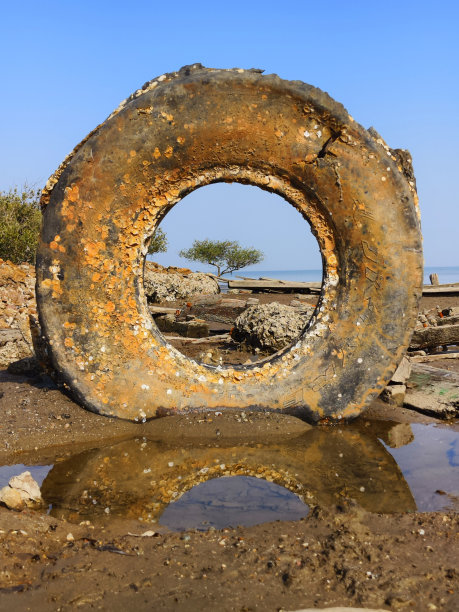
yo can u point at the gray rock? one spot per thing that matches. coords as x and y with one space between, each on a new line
169 287
270 327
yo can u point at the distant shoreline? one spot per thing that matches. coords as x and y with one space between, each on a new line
446 274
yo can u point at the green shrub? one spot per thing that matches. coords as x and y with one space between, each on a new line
20 220
158 242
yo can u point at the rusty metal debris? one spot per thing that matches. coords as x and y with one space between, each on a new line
187 129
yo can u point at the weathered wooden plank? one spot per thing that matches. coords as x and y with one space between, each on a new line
158 310
273 284
451 288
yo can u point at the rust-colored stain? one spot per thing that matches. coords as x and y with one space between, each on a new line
188 129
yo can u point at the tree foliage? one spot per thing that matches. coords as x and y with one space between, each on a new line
20 221
158 242
227 255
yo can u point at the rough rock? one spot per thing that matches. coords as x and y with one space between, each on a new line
270 327
172 286
17 303
194 328
22 492
394 394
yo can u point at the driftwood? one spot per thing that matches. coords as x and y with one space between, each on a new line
208 340
431 337
158 310
450 288
438 357
273 284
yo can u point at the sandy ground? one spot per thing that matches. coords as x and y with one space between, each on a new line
339 555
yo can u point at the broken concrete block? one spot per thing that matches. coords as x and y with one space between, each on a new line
402 373
394 394
433 391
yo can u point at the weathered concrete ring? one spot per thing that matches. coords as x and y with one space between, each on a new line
185 130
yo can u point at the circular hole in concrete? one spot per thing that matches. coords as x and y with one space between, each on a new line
217 328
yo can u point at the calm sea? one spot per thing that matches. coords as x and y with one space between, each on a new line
445 274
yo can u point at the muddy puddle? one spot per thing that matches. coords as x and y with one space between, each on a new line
386 467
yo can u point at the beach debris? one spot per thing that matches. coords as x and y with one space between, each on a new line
433 391
21 492
436 327
356 193
194 328
17 302
271 327
172 286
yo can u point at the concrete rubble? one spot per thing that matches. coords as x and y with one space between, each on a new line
271 327
435 328
171 286
17 304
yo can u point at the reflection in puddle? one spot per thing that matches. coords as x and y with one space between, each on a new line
432 457
38 472
138 479
386 467
231 501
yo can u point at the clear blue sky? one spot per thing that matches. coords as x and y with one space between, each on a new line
393 64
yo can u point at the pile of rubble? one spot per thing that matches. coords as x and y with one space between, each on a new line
169 285
17 305
436 328
271 327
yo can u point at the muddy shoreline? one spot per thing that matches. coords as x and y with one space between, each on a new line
339 555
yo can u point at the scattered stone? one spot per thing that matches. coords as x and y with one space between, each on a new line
252 302
270 327
12 498
22 492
